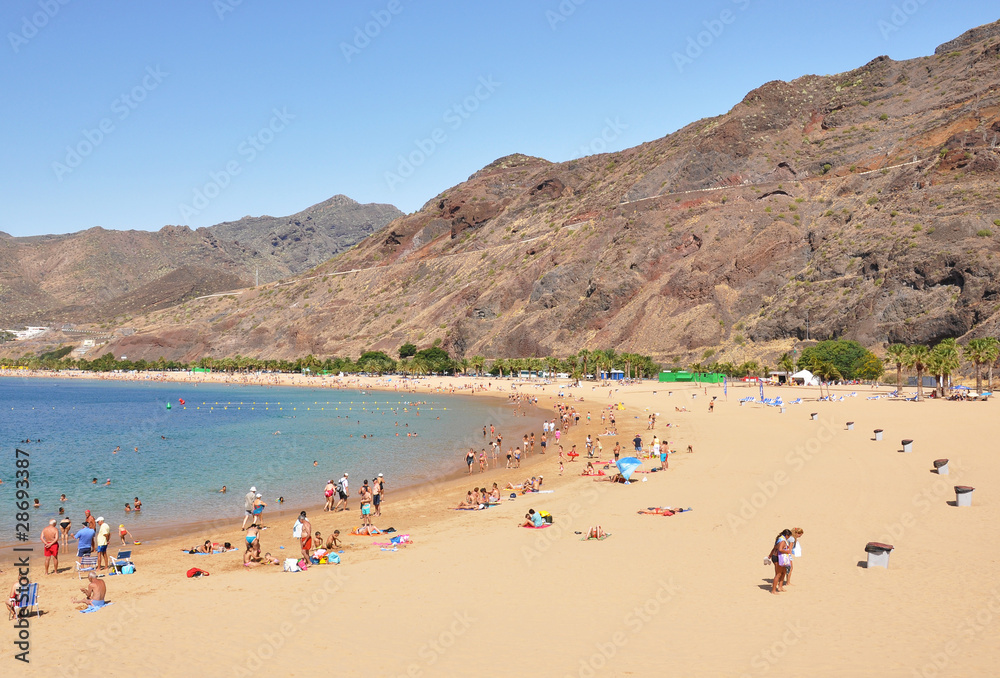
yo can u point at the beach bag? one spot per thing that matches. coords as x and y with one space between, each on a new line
128 569
291 565
333 558
797 551
784 560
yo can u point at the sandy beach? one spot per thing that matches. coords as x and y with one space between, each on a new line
686 594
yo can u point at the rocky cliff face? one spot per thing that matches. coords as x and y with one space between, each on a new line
97 275
861 205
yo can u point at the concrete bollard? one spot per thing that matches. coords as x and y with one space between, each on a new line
941 466
850 426
963 495
814 416
907 446
878 434
878 554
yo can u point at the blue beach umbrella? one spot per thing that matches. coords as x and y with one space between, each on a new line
627 466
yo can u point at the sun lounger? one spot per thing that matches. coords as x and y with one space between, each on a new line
86 564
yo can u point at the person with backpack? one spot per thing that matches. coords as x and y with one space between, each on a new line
342 494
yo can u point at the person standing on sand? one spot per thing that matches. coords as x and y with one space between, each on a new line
342 494
378 490
305 535
85 541
103 539
248 507
50 542
780 558
89 521
795 552
328 492
64 525
470 457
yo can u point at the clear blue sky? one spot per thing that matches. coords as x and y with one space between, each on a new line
269 107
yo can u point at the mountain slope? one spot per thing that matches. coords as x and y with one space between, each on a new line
95 275
860 205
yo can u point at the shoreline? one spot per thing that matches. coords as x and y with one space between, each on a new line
452 479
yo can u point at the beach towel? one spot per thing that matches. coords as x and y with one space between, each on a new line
196 572
92 608
538 527
589 538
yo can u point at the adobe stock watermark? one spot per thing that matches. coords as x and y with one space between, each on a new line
767 658
612 131
435 648
633 623
453 119
248 150
714 28
564 11
30 25
968 629
941 488
363 35
901 13
224 7
317 601
121 108
768 488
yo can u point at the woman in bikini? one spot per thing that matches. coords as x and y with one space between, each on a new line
780 558
328 492
64 526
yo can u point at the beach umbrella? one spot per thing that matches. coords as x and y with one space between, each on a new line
627 466
960 388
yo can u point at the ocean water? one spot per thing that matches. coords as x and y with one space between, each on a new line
238 436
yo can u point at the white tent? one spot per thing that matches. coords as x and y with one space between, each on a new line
806 378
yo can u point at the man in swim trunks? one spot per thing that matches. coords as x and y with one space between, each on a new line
305 540
50 540
96 591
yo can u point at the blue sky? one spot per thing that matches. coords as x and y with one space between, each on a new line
136 115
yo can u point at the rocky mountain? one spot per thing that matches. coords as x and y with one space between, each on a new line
97 275
861 205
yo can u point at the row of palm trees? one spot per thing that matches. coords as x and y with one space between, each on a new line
578 365
943 360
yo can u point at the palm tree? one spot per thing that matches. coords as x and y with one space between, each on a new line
916 357
584 356
827 372
464 363
982 351
500 365
896 353
477 362
552 365
786 363
946 362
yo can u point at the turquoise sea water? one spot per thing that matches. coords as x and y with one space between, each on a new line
222 435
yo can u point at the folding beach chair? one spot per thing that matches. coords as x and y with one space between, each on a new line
27 598
121 560
86 564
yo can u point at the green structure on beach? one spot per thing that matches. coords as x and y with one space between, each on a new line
685 376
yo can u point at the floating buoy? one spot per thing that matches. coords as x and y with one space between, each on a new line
168 406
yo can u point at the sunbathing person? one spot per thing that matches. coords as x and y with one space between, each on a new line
596 532
533 519
616 478
658 511
470 501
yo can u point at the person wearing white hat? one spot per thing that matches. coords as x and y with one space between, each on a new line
248 506
342 494
103 539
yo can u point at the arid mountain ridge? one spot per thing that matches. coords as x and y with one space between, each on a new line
95 275
861 205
